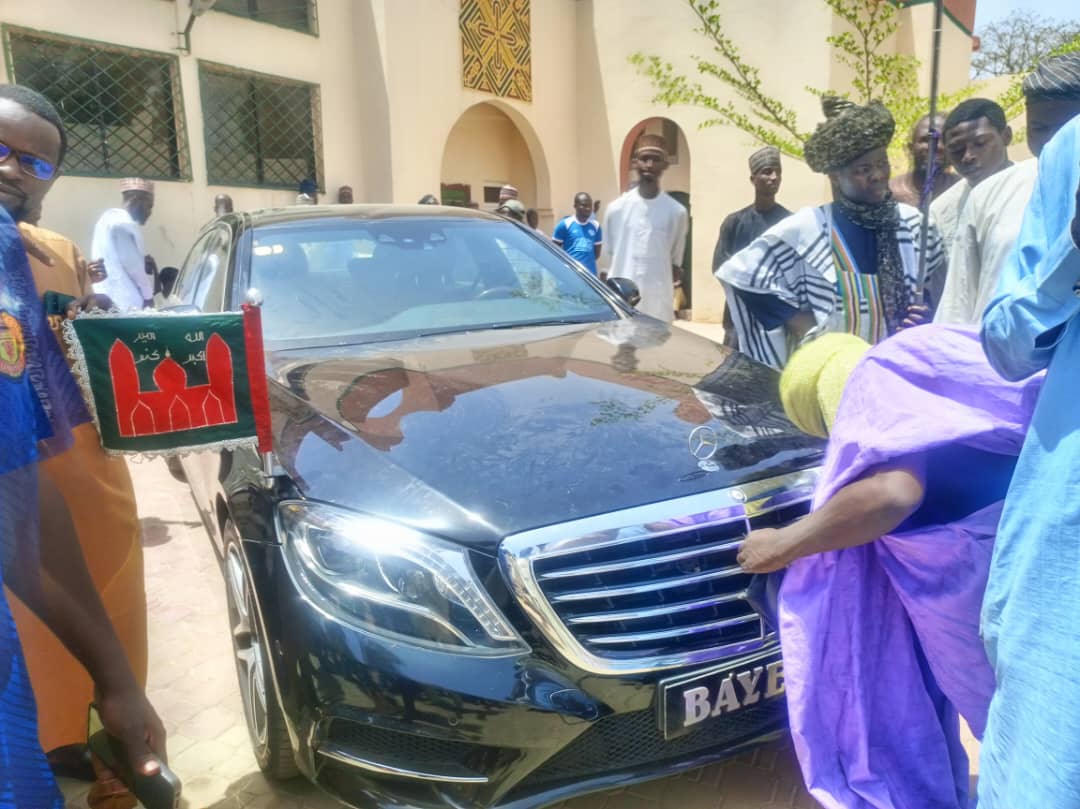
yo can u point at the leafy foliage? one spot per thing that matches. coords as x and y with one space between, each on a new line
876 74
765 117
1015 44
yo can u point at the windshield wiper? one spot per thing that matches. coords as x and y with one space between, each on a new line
527 323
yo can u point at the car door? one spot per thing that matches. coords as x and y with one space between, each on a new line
201 284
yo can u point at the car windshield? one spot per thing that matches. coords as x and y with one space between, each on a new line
346 280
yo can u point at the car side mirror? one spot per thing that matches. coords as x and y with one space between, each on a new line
625 289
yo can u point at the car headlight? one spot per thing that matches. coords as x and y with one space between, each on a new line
390 579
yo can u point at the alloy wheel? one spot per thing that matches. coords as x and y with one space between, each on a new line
247 645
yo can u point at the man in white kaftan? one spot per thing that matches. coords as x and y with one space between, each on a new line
645 233
990 223
977 138
118 242
985 236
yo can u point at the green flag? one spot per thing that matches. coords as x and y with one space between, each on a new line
166 384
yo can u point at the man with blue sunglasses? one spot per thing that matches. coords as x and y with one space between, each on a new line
26 176
95 489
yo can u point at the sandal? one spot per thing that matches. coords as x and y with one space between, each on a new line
108 791
71 761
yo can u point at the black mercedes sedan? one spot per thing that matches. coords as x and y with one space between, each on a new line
491 560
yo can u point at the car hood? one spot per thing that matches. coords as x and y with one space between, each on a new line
480 435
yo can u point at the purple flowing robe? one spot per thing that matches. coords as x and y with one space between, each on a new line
881 642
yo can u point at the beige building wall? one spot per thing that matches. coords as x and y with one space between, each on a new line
393 106
486 149
916 36
611 30
790 58
181 208
422 62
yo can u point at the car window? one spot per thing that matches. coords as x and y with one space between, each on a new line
334 256
202 281
210 293
188 278
369 280
530 273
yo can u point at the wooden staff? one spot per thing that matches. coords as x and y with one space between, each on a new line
935 138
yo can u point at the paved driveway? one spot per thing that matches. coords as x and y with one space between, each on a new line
193 685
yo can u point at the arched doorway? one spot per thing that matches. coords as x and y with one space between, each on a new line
676 179
486 149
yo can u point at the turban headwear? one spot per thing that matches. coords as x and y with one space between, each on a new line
651 143
507 192
814 378
848 132
764 158
1056 78
136 184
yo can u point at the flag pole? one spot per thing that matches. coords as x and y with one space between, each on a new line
935 139
256 368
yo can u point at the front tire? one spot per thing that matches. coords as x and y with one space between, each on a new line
262 713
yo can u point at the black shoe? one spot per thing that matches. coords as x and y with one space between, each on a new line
72 761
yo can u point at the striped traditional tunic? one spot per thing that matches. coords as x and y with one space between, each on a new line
804 262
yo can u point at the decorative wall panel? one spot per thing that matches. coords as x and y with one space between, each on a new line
496 47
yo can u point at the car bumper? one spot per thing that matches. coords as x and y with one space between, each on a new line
381 724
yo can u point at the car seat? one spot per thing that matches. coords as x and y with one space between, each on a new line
282 278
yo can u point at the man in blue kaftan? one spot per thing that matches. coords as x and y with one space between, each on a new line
41 562
1031 749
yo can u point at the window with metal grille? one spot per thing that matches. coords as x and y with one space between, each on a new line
122 108
299 15
259 130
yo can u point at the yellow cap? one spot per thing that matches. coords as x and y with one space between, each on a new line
814 379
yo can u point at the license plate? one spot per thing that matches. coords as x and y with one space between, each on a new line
692 700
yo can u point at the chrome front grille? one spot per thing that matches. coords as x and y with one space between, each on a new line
653 587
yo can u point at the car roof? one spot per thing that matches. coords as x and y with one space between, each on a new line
300 213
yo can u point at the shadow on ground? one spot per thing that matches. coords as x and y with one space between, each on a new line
157 532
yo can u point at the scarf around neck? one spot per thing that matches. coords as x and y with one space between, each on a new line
883 218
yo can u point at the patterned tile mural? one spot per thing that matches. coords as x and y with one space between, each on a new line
496 47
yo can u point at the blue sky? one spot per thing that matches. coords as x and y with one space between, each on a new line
991 10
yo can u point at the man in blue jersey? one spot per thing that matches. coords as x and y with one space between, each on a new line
579 235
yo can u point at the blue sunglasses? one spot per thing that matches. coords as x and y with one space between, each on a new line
34 166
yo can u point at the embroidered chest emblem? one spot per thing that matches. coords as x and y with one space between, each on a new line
12 347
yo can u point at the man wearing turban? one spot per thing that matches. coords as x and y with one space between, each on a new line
879 609
991 219
742 227
848 266
1029 757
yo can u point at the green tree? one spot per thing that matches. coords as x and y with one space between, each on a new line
1016 43
876 75
1012 100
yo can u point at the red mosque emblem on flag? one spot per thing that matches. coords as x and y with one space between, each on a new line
175 405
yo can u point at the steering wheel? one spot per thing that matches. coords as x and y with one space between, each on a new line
498 292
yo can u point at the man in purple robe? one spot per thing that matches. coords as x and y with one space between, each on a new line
879 609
